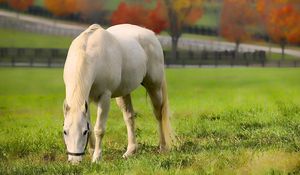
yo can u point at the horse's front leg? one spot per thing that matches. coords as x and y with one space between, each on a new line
99 129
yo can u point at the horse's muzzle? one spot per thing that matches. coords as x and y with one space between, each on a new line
74 159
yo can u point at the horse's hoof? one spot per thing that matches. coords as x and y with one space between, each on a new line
127 155
163 149
131 150
96 157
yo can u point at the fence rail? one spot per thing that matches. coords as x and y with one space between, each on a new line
44 57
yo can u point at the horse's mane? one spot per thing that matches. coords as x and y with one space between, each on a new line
81 72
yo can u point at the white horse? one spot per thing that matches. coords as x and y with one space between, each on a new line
104 64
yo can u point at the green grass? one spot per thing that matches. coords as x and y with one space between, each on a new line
209 19
15 38
278 56
228 121
39 3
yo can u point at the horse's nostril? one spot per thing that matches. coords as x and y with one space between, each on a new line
74 160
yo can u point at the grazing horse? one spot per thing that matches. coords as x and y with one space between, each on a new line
104 64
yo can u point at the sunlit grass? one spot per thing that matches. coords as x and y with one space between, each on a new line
15 38
227 121
39 3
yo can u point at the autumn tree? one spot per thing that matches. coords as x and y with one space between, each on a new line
156 18
181 13
87 9
237 17
62 7
90 9
132 14
281 20
20 5
174 14
153 19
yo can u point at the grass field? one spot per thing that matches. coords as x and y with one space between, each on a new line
228 121
15 38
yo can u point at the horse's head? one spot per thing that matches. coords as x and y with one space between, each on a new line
76 131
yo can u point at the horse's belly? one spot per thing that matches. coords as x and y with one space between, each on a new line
131 80
133 67
126 88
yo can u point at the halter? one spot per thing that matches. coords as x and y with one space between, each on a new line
87 139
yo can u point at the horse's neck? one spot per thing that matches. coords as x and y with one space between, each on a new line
80 83
80 69
79 93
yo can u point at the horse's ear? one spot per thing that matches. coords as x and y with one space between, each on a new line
84 108
66 107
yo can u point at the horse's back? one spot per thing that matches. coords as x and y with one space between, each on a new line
150 46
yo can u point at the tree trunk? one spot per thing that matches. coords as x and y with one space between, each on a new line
282 51
270 50
18 15
175 27
282 44
174 47
237 46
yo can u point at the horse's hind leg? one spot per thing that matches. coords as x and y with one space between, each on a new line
128 114
156 96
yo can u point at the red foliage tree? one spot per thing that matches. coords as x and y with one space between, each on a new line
166 14
236 19
3 1
137 14
156 19
21 5
281 20
62 7
181 13
88 8
133 14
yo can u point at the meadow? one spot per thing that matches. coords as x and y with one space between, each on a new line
16 38
227 121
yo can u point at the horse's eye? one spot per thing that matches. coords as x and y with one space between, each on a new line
85 132
65 132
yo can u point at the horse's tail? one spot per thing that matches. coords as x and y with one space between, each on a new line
166 125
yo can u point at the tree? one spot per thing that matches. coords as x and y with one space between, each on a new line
90 9
174 14
87 9
133 14
236 19
137 14
281 18
181 13
20 5
156 18
62 7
